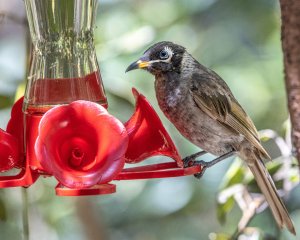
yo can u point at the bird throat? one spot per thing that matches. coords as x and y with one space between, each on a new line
169 91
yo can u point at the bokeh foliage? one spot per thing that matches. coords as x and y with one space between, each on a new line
240 40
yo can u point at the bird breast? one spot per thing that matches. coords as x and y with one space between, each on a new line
169 95
174 98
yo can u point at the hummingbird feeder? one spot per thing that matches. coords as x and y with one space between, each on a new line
62 128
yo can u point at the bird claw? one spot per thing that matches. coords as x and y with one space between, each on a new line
203 165
189 162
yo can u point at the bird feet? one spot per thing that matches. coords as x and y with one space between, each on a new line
204 165
190 161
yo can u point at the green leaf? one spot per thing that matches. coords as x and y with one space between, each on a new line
224 208
264 138
294 178
219 236
273 166
235 174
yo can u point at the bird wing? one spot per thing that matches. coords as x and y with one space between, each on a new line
213 96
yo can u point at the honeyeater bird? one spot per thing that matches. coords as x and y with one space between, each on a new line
203 109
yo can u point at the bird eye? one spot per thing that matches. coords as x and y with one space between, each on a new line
163 54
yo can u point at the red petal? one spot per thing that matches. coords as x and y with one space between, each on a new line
15 127
9 151
81 144
147 135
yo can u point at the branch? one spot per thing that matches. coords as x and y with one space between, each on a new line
290 36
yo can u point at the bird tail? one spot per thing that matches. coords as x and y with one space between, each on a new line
269 190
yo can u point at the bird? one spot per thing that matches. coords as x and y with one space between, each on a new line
199 103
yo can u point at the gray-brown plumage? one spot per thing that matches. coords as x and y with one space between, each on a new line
201 106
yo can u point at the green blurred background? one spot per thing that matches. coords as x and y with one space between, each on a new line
240 40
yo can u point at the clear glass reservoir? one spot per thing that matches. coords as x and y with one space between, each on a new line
63 67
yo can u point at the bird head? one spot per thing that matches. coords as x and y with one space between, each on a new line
160 58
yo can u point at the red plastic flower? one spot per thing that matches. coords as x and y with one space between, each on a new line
81 144
147 135
9 151
15 127
11 140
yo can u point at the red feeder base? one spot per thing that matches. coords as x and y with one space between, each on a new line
100 189
161 170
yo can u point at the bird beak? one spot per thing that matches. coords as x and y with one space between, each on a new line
142 63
